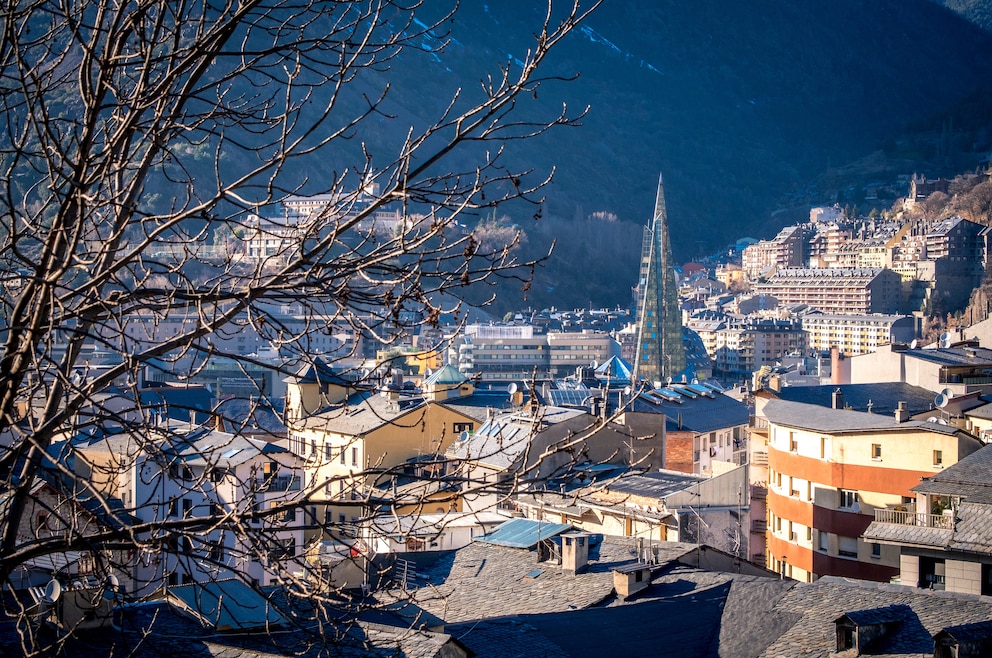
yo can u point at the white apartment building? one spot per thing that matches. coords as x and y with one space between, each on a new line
857 334
193 472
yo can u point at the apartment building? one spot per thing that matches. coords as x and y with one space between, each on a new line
746 344
191 472
785 250
857 334
942 535
520 352
960 370
837 290
351 442
829 469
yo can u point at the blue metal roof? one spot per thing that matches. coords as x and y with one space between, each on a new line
225 605
523 533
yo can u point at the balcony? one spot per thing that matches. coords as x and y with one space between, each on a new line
280 483
942 521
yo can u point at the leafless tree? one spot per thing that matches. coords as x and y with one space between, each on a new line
148 149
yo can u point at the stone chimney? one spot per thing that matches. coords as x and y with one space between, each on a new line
574 552
837 399
902 413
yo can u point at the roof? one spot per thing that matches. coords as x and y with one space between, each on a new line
886 615
842 421
967 477
225 605
690 407
446 376
484 580
884 397
502 440
655 484
953 356
523 533
820 603
320 371
365 412
704 613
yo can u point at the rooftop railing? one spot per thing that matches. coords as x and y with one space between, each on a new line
943 521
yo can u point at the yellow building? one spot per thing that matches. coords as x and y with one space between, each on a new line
353 440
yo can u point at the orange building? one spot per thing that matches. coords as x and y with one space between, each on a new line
829 469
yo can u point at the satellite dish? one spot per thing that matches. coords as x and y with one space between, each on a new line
945 340
941 421
512 388
932 419
914 344
695 382
668 381
595 364
111 586
52 591
626 391
947 393
940 400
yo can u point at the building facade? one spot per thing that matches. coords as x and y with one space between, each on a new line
829 469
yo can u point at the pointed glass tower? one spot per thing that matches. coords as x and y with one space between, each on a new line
660 353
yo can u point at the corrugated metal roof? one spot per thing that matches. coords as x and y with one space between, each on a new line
523 533
225 605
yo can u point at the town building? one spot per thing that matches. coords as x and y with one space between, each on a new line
704 429
188 472
786 250
856 334
959 370
837 290
944 533
746 344
522 352
352 442
829 468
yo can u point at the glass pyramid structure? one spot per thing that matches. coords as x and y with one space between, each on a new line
660 353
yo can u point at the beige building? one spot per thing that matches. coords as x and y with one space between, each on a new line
857 334
943 533
837 290
352 443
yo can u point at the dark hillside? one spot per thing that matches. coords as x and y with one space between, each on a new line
741 104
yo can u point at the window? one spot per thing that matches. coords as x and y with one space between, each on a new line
174 507
847 546
823 447
354 456
848 498
463 427
876 549
342 455
876 451
793 444
938 458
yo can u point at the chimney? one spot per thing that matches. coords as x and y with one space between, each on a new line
574 552
837 399
840 367
902 413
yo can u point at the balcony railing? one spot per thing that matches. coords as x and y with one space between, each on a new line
945 522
